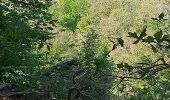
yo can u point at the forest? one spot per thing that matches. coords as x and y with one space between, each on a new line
84 49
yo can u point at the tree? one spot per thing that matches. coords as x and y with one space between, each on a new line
68 13
24 29
150 73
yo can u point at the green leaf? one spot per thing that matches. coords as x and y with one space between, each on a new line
161 16
128 67
158 36
143 33
137 41
149 39
120 65
154 49
134 35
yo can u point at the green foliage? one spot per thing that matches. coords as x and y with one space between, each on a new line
95 59
158 41
149 70
90 47
95 52
94 63
27 55
69 13
22 32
